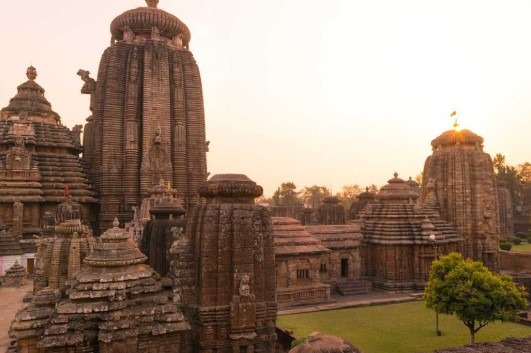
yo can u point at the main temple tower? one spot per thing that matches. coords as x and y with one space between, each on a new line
148 120
459 180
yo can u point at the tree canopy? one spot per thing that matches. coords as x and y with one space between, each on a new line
468 290
313 195
285 195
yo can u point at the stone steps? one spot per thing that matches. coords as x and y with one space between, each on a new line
352 287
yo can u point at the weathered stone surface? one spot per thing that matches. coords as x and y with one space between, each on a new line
38 158
233 305
459 180
505 211
148 116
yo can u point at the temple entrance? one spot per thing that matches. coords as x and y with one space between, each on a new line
30 266
344 267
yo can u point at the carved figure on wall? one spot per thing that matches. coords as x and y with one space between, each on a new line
155 33
207 146
488 220
430 195
245 287
18 158
129 35
158 135
23 115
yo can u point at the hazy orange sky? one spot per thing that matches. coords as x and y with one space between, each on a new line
317 92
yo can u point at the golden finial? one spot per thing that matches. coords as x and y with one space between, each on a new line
152 3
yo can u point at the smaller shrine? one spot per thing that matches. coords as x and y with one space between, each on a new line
331 211
401 239
61 257
298 259
10 249
15 276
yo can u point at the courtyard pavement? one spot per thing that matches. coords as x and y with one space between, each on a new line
353 301
10 302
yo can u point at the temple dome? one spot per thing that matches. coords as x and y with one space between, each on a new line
143 19
30 98
451 137
396 190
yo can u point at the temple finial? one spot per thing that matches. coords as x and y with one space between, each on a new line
31 73
116 222
396 175
152 3
456 125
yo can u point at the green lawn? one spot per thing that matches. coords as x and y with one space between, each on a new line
396 328
525 247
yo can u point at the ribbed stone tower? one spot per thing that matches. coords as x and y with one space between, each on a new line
459 180
148 116
224 269
38 158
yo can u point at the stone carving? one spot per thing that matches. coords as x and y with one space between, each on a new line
89 85
129 35
152 3
430 193
245 288
155 33
18 158
178 41
488 224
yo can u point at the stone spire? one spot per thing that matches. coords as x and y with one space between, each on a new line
459 180
31 73
138 138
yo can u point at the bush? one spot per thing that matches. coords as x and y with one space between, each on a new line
298 341
529 240
517 241
506 246
520 235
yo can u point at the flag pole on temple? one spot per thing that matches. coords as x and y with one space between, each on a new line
456 124
65 193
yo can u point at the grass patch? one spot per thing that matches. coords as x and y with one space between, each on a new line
395 328
521 248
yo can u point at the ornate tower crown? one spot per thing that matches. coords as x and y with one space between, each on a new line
152 3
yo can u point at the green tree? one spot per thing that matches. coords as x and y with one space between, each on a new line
313 195
472 293
513 177
286 195
349 194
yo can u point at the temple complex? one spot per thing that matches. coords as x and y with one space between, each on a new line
39 159
396 232
228 246
459 181
363 199
147 120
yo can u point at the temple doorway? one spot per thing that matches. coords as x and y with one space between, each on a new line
344 267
